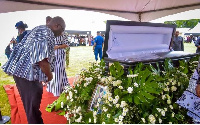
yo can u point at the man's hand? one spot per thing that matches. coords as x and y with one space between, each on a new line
45 67
198 90
56 47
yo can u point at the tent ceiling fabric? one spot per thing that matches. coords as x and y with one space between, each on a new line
136 10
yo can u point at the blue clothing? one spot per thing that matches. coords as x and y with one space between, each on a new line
98 48
178 44
37 45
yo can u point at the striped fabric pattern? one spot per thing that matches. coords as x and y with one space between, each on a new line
37 45
59 81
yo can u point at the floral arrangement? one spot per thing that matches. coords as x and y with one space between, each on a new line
146 95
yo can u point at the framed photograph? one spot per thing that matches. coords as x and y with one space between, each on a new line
98 94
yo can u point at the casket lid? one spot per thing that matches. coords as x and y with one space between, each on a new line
128 38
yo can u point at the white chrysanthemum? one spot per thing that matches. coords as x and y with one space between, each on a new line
123 104
117 97
70 95
120 87
85 84
160 120
121 118
136 84
123 113
61 104
115 101
99 100
162 113
103 80
120 122
143 120
166 89
168 101
108 115
105 109
90 120
173 114
117 105
116 120
173 88
159 110
110 99
109 94
163 97
152 119
72 100
103 123
130 89
165 109
170 122
171 107
125 109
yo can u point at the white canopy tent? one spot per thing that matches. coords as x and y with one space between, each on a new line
135 10
194 31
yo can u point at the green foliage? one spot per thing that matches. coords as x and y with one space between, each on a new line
184 23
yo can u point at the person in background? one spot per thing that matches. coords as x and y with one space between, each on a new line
20 26
177 43
98 46
31 63
197 44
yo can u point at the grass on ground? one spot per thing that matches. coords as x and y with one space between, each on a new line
79 58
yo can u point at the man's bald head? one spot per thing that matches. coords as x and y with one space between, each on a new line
57 25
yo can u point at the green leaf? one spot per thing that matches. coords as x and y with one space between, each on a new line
148 96
136 100
62 113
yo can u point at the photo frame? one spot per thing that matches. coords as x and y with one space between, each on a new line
99 92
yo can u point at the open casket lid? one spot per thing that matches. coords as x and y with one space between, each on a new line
129 38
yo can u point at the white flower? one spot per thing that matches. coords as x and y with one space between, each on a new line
143 120
89 79
105 109
85 84
165 109
70 94
120 87
103 80
94 113
160 120
117 105
108 115
115 101
159 110
110 99
135 84
173 88
62 104
163 97
109 94
95 120
120 122
163 113
75 90
125 109
123 104
173 114
166 89
72 100
116 83
99 100
152 119
171 107
103 123
124 113
168 101
90 120
116 120
121 118
170 122
117 97
130 89
105 96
